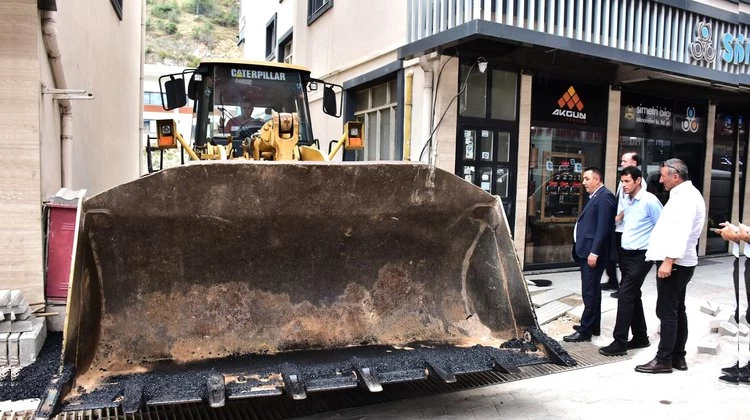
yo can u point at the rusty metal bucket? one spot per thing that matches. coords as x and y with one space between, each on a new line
246 275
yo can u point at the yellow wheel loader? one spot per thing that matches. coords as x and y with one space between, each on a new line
263 268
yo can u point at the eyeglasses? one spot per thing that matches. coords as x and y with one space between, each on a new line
666 165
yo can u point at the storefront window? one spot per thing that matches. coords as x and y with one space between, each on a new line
567 136
722 176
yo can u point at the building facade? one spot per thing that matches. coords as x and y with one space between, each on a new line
71 106
520 97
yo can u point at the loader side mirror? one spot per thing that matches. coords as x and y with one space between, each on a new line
173 90
330 106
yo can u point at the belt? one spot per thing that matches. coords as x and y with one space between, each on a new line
634 251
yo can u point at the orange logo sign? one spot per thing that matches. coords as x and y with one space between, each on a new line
571 100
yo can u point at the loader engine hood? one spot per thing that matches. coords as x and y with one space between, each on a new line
254 277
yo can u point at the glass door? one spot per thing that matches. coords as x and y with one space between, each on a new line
485 162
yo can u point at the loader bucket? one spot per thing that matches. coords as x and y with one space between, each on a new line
226 280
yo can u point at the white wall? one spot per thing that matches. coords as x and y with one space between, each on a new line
101 54
257 14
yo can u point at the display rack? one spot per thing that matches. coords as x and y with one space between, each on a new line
562 191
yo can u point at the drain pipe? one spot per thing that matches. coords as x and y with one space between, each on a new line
425 62
49 35
142 130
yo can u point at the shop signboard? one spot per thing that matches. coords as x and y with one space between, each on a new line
569 103
646 116
689 120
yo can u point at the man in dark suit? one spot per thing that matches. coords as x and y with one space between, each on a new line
593 239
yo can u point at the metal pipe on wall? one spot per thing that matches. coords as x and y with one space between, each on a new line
408 100
49 35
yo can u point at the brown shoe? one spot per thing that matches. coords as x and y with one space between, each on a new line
654 366
679 363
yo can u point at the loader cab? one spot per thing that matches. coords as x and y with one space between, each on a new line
233 99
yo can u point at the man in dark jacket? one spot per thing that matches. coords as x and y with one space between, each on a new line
593 239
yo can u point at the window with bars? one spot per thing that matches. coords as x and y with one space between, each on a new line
376 108
316 8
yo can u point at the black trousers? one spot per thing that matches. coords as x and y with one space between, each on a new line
670 309
591 291
634 269
611 268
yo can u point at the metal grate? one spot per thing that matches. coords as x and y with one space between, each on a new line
586 354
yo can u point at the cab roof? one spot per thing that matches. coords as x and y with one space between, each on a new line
251 63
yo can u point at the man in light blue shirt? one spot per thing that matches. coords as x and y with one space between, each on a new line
641 210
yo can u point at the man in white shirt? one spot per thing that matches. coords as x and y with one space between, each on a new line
673 246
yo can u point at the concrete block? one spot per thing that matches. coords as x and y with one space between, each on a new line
5 327
727 328
5 297
551 311
709 347
726 314
21 326
709 307
549 296
743 330
13 349
4 349
23 315
22 307
576 313
713 325
15 297
31 342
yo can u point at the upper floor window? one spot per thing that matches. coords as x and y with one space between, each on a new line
285 50
316 8
376 107
151 98
271 38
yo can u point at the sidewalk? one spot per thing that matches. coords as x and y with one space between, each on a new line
610 391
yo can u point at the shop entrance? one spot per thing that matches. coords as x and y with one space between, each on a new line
567 136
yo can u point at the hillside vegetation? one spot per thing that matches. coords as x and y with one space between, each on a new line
184 32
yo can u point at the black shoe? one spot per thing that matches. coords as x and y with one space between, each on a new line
654 366
733 370
613 349
615 294
610 286
638 344
596 332
576 337
730 378
679 363
736 370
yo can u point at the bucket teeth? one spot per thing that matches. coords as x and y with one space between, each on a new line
441 371
505 367
293 385
216 390
133 398
368 378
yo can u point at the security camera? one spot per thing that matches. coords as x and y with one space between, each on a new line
482 64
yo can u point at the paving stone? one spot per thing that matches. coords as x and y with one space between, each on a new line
15 297
727 328
549 296
709 307
743 330
13 349
576 313
709 347
31 342
713 325
4 348
4 297
550 311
